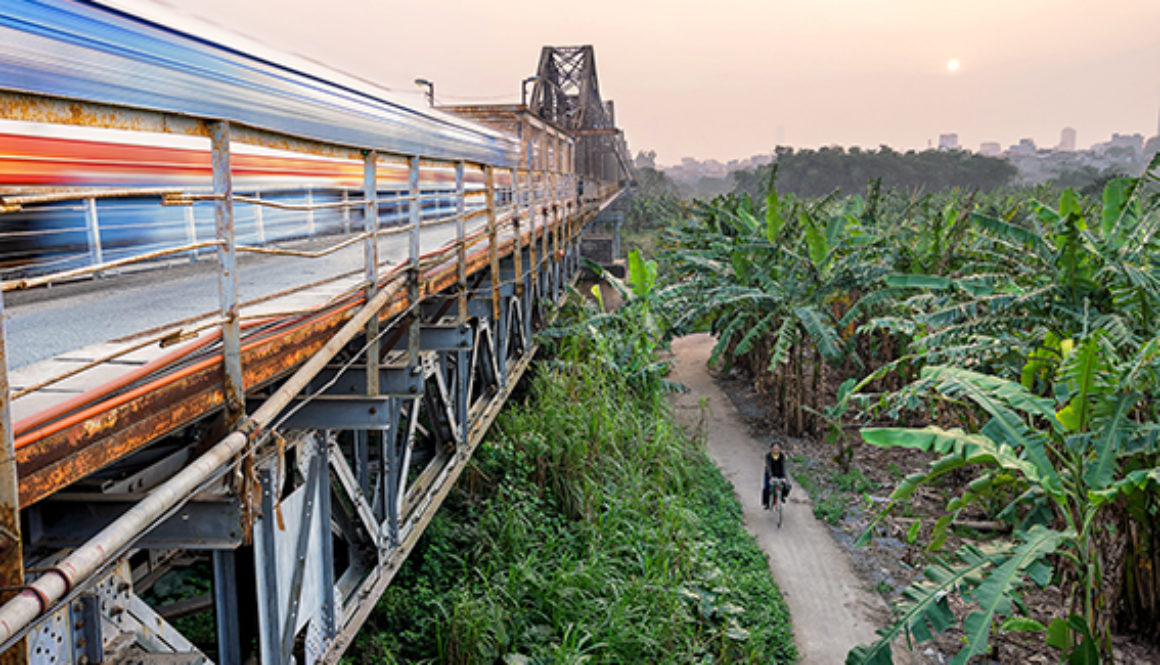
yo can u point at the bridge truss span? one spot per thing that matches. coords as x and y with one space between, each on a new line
290 440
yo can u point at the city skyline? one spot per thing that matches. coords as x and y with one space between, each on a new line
739 77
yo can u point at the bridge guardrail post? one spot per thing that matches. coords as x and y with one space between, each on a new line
518 247
547 250
577 228
259 219
533 267
559 230
497 318
93 233
415 209
11 553
371 262
345 210
462 377
522 292
363 439
190 231
310 213
569 224
224 231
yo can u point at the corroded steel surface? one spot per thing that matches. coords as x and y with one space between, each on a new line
148 412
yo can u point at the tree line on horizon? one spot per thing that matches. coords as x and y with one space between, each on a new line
809 172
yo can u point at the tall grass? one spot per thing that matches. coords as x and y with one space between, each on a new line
589 528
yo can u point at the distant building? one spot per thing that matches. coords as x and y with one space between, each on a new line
645 159
1121 145
1025 147
1067 139
1133 142
948 141
990 148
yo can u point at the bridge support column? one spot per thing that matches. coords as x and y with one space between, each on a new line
294 567
226 617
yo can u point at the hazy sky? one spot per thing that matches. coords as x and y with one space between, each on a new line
732 78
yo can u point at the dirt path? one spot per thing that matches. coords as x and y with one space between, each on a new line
830 607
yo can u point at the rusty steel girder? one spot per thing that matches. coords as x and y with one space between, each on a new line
130 421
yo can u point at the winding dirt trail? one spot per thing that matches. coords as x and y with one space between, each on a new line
830 608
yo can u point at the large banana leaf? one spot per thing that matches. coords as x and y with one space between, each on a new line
906 281
993 578
925 608
641 274
820 331
1000 587
815 241
1000 398
773 218
1135 481
1082 370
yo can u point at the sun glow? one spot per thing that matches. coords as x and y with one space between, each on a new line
953 65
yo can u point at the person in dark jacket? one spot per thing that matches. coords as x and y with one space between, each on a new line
774 468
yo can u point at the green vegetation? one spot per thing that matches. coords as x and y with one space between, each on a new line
832 493
1016 335
819 172
588 528
655 199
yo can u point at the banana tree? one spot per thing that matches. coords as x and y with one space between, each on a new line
1065 459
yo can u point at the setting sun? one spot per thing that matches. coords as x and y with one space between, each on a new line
953 65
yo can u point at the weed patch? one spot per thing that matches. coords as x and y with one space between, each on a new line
589 527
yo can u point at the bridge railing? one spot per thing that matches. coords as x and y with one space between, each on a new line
437 203
400 194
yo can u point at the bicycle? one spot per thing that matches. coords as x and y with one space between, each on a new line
775 502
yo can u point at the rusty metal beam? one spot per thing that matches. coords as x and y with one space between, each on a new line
149 412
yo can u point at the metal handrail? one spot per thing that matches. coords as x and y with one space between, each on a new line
30 282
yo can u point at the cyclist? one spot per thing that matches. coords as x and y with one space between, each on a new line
774 468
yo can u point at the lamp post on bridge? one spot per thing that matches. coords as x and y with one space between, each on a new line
430 90
524 89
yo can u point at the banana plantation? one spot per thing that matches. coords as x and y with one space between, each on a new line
1011 338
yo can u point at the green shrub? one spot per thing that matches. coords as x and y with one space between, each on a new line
602 533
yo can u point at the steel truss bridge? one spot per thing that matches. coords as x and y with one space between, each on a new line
298 433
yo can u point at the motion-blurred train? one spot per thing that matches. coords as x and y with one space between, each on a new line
129 54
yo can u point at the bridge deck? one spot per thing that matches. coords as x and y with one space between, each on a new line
73 427
293 422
